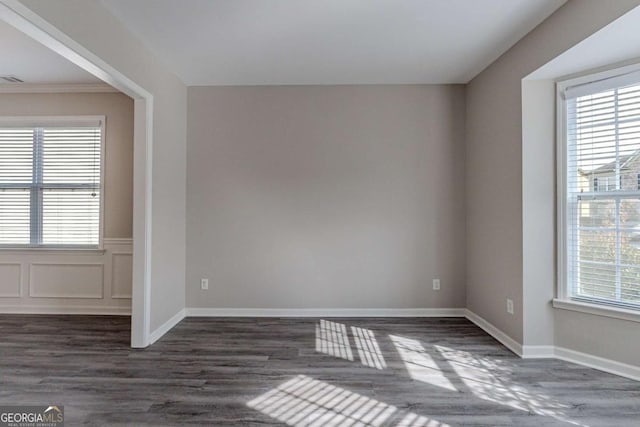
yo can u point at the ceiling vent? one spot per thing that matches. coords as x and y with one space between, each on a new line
11 79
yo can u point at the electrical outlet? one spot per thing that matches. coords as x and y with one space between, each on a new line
204 284
436 284
509 306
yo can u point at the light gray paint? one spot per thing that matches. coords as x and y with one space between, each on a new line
325 197
89 23
538 210
600 336
295 42
118 172
494 153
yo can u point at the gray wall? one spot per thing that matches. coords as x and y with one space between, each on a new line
325 197
600 336
90 24
118 109
494 179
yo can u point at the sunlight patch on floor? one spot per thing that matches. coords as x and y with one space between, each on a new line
419 363
304 401
332 339
415 420
368 348
490 379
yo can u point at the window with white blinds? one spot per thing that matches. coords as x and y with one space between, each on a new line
601 194
50 182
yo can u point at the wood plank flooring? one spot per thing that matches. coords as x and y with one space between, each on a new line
301 372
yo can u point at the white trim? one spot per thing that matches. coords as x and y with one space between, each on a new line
598 80
24 19
142 222
496 333
45 309
167 326
117 241
57 88
555 352
103 174
37 250
599 363
561 191
538 352
325 312
598 310
55 121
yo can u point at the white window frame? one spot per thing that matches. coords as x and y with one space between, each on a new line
563 299
44 121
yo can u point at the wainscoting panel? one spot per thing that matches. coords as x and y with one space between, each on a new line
10 280
67 281
121 273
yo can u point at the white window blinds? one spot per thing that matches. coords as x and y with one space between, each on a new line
50 183
603 192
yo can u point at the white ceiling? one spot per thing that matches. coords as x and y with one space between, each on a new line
30 61
264 42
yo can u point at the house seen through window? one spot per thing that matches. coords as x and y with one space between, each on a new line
50 182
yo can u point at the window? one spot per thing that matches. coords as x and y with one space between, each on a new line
599 189
50 182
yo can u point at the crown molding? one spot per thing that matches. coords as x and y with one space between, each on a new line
56 88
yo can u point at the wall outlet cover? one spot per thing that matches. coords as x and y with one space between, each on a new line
509 306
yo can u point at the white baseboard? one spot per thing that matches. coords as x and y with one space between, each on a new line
538 352
550 351
43 309
599 363
167 326
496 333
325 312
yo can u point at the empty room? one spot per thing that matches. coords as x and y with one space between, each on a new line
415 213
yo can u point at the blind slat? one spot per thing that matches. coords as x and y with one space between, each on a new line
603 181
50 181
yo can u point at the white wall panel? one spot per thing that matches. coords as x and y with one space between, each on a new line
10 276
66 281
72 282
121 273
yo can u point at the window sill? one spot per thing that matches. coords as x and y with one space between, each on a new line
598 310
60 251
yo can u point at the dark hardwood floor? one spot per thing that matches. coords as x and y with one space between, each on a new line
302 372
